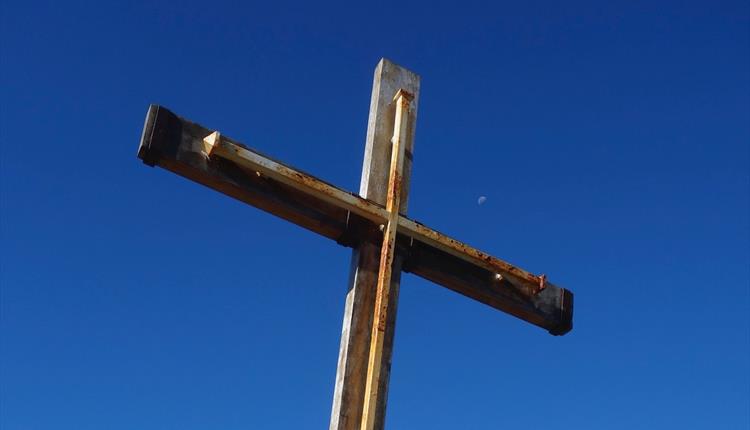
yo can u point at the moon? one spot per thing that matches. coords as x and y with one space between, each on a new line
481 200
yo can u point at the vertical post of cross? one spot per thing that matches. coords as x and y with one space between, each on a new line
351 375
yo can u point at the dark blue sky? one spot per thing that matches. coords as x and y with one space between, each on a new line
610 138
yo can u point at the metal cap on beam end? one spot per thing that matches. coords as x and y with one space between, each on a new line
565 323
161 135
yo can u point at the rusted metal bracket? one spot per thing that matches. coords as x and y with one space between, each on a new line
387 253
213 145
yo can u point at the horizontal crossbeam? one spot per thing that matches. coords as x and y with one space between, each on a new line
221 163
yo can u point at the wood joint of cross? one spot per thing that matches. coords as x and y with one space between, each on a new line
223 164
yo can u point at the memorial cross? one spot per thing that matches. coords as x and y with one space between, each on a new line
385 242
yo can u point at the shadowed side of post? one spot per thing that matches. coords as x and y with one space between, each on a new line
351 374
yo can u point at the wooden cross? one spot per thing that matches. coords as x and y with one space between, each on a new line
373 223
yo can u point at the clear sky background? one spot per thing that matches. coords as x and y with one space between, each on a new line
610 138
